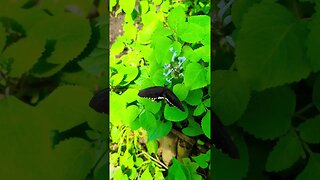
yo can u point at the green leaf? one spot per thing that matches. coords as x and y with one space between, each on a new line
270 47
199 110
176 170
206 124
309 130
175 114
144 5
146 175
127 5
195 76
68 30
231 95
116 79
152 146
150 105
192 33
239 9
26 58
162 51
287 151
312 41
312 170
193 129
147 120
181 91
177 19
160 130
194 97
75 108
202 159
130 114
268 114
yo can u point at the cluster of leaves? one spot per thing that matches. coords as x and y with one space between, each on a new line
52 58
155 33
269 87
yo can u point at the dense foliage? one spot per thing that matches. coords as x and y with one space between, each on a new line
266 87
53 56
165 43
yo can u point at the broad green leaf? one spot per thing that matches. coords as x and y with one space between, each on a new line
116 79
191 169
312 170
68 30
150 105
147 120
287 151
144 6
159 131
309 130
74 108
162 51
239 9
193 129
181 91
270 47
206 125
199 110
174 114
79 7
195 76
192 33
127 5
268 114
176 19
230 95
313 40
176 170
26 58
194 97
130 114
96 62
152 146
146 175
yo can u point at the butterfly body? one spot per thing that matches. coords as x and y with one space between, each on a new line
158 93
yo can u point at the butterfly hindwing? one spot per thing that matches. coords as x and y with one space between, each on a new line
100 101
158 93
221 138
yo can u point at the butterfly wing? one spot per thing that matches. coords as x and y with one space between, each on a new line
172 99
221 138
155 93
100 101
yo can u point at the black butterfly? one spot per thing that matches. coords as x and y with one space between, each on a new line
221 139
100 101
158 93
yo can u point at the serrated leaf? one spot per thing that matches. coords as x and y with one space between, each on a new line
287 151
26 58
270 47
231 95
269 112
309 130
